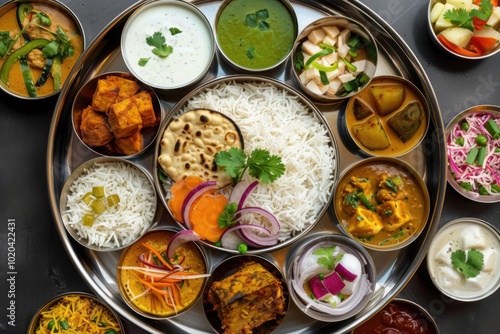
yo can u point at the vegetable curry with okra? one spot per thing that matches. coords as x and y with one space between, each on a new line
39 44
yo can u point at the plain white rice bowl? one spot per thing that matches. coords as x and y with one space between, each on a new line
121 224
273 119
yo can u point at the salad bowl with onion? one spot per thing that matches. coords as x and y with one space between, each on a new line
330 276
473 148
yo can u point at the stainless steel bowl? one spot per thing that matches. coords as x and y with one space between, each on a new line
88 317
396 166
185 30
228 267
53 5
81 235
348 246
83 99
492 110
247 39
397 147
433 32
341 22
163 233
465 234
408 309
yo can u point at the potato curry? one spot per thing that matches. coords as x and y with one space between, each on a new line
380 204
388 118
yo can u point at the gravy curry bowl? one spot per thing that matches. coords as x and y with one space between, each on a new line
114 114
333 58
42 41
255 35
390 117
168 44
163 274
463 259
478 39
397 317
382 203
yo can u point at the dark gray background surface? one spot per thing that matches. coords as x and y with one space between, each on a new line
43 268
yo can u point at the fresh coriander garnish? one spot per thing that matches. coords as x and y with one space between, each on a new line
158 41
226 217
465 19
260 164
326 258
470 264
174 31
143 61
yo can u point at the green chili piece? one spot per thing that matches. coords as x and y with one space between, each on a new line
45 72
481 155
350 66
495 188
27 77
56 73
64 324
492 127
482 190
324 68
18 54
481 140
315 56
366 202
460 141
471 157
466 186
324 78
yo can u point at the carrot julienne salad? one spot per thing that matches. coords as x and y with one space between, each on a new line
473 148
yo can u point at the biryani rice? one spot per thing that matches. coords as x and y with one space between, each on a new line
120 224
271 118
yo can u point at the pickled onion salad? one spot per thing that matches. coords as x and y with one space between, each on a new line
473 148
329 279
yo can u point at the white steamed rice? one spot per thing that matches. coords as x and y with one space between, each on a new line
118 225
271 118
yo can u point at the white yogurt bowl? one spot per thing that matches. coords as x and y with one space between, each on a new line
168 44
465 234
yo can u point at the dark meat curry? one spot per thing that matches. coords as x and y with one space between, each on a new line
381 204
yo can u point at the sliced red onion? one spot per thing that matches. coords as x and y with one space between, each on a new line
333 283
346 274
180 238
240 192
192 196
141 259
263 237
319 291
230 239
274 224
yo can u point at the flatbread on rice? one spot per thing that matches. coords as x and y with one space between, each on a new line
191 141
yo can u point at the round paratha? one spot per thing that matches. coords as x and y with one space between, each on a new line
191 141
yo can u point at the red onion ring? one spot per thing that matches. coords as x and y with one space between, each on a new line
180 238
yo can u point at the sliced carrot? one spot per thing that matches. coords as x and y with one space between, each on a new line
204 216
158 255
180 190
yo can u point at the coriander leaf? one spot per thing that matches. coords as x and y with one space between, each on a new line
51 49
325 257
43 19
163 51
226 217
251 20
484 12
250 52
234 162
263 25
143 61
174 31
390 184
264 166
459 17
469 265
157 40
262 14
299 61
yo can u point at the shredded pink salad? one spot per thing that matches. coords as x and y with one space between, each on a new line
485 175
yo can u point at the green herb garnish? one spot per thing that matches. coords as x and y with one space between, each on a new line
143 61
161 49
470 264
326 258
258 20
174 31
260 164
226 217
465 19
